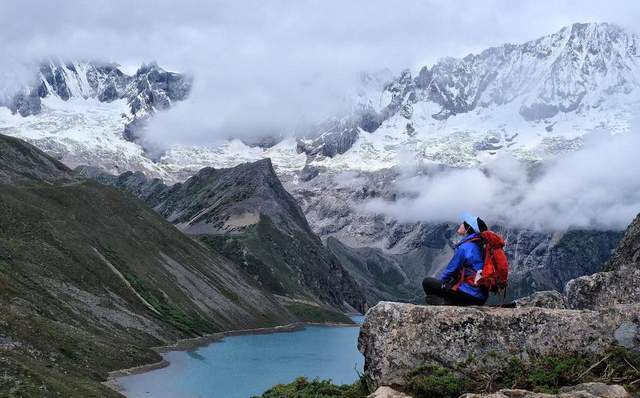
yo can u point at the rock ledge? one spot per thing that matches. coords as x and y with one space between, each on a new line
397 338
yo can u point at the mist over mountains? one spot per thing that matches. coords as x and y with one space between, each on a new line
594 187
509 125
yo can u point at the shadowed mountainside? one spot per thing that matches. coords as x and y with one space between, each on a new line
245 213
90 278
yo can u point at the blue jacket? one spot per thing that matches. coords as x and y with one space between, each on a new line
467 257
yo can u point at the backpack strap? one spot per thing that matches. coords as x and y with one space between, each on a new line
470 279
463 270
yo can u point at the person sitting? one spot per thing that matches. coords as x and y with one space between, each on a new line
455 284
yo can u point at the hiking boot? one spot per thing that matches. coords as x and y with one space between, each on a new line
432 299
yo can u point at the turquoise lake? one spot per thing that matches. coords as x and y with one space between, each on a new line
242 366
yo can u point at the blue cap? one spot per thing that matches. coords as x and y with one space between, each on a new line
471 220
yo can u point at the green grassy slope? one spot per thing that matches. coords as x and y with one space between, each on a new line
90 278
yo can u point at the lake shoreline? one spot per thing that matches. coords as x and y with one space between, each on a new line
192 343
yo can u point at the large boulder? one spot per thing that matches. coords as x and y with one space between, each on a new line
604 289
388 392
398 338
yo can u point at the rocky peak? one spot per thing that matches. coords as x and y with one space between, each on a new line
562 72
150 89
220 198
156 89
575 70
628 251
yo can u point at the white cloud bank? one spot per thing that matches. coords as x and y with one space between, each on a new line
597 187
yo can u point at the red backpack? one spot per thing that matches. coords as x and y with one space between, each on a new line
496 268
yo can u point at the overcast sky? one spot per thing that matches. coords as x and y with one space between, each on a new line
266 66
361 34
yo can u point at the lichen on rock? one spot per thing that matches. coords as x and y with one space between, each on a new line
543 299
585 390
398 338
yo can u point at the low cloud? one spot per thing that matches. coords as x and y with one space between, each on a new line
596 187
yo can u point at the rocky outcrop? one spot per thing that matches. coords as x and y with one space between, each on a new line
604 289
398 338
628 251
618 284
585 390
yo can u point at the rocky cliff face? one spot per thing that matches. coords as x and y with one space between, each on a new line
91 278
150 89
618 284
245 213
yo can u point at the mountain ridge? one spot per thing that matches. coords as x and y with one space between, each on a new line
532 100
151 88
583 70
245 213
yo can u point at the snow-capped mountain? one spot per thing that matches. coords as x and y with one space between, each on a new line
150 89
88 113
533 100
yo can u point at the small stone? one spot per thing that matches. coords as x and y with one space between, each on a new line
388 392
595 389
626 335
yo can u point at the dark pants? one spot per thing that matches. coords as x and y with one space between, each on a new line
440 295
